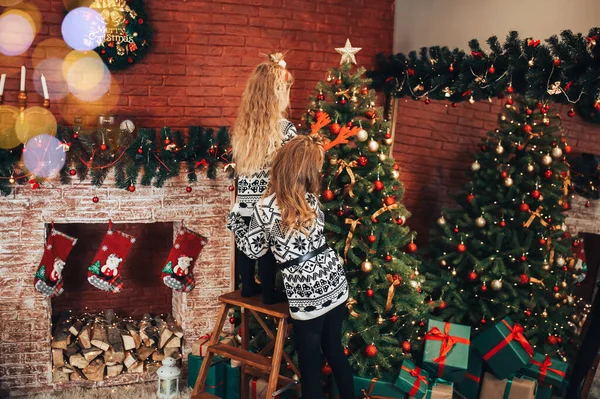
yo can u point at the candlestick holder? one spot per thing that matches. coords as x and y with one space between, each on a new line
46 103
22 99
1 99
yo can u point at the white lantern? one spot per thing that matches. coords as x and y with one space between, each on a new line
168 379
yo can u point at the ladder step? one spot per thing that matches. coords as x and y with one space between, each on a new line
282 381
204 395
249 358
279 310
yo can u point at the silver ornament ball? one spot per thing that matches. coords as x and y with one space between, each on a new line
362 135
499 149
366 267
480 221
557 152
388 141
546 159
560 261
373 146
395 174
496 285
475 166
382 157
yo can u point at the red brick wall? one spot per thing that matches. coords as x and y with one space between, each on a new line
203 51
435 145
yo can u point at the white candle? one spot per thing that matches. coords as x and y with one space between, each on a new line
23 78
45 88
2 80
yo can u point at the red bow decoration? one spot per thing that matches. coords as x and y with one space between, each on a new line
411 72
592 38
516 334
448 342
467 93
533 43
201 163
416 373
545 367
476 53
568 85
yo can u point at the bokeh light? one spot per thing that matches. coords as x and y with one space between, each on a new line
8 120
108 104
31 12
87 76
8 3
44 156
16 33
84 29
34 122
50 48
72 4
51 68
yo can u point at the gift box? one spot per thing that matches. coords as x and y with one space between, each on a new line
201 345
545 369
446 351
375 388
232 381
504 348
412 380
512 388
258 390
439 389
543 391
470 386
215 381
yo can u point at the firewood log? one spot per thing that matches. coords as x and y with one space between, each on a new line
135 334
137 368
174 342
158 356
77 375
59 376
76 327
91 353
85 336
128 341
99 337
77 360
174 326
58 359
112 371
130 360
144 352
95 370
61 338
163 332
117 351
72 349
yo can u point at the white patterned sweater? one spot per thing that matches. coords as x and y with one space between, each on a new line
313 287
251 188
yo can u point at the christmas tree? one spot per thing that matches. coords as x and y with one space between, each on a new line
366 222
505 251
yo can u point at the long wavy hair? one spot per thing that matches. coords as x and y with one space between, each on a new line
256 136
296 170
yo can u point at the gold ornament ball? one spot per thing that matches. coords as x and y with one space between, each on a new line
366 267
570 300
530 168
453 272
362 135
508 182
480 222
373 146
560 261
441 221
546 159
557 152
502 117
443 262
546 266
575 318
395 174
499 149
380 320
544 314
11 180
333 161
496 285
558 305
531 62
388 141
413 283
382 157
295 377
557 295
563 284
475 166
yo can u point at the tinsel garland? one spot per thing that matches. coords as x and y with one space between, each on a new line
93 154
564 69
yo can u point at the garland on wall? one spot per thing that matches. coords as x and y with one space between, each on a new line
148 158
565 69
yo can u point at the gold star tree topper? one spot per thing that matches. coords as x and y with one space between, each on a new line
348 52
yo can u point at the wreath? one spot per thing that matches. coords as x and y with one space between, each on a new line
128 32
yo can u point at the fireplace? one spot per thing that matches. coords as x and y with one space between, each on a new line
25 344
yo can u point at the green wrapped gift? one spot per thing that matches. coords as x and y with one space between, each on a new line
547 370
232 381
215 381
439 389
412 380
504 348
375 388
543 392
512 388
446 351
470 386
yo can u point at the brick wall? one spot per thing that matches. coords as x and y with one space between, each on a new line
435 143
203 51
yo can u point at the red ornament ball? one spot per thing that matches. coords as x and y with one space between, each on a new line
461 248
427 101
335 128
543 110
571 113
576 243
362 161
72 172
131 188
343 101
491 70
400 220
528 313
442 305
483 320
338 82
422 324
390 200
556 62
470 197
551 339
95 200
588 204
502 223
510 90
396 166
520 147
523 258
406 346
374 220
103 147
378 185
370 114
326 369
559 340
130 60
412 247
455 230
364 91
539 105
535 194
75 136
140 150
341 213
510 101
371 350
548 174
140 21
542 241
167 141
473 276
483 288
232 320
504 174
454 105
523 278
188 189
548 220
349 124
370 293
346 352
320 97
568 149
327 195
527 128
566 206
388 258
231 188
524 207
371 239
529 111
555 288
451 68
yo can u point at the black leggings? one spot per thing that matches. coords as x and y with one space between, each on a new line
323 333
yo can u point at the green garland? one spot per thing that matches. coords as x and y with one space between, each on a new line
93 154
129 42
565 70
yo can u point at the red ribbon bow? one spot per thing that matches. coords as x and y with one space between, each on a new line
467 93
476 53
516 334
533 43
448 342
592 38
411 72
416 373
201 163
545 367
568 85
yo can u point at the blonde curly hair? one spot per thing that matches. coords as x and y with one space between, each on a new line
256 136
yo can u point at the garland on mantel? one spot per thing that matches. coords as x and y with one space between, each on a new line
156 157
564 70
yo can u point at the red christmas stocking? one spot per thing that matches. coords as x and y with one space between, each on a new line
48 278
104 273
177 273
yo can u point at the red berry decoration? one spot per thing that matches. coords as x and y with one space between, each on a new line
491 70
461 248
326 369
103 147
551 339
231 188
390 200
378 185
131 188
406 346
527 128
412 247
362 161
188 189
371 239
548 174
442 305
95 200
371 350
555 288
470 197
232 320
472 276
370 293
388 258
571 113
335 128
535 194
524 207
72 172
523 278
327 195
502 223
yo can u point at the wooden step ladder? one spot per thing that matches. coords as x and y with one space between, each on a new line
252 364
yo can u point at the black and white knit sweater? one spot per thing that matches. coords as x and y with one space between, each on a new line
314 286
251 188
